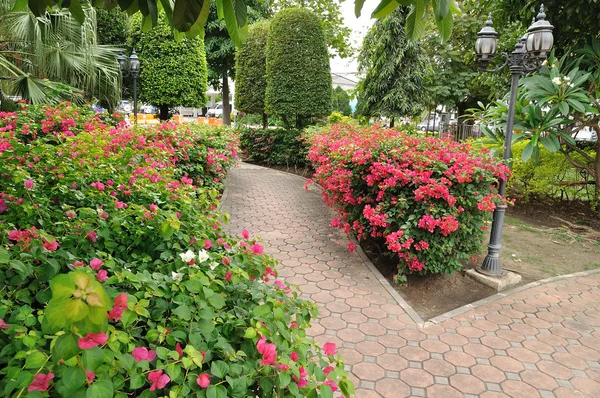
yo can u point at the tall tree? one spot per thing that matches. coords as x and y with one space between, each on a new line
173 72
393 69
251 69
341 101
220 51
330 14
298 73
112 26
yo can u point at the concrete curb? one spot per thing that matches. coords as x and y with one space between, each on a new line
421 323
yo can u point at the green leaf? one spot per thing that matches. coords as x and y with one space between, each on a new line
100 389
20 5
54 316
93 358
237 33
219 369
241 12
23 270
325 391
65 347
186 13
216 301
173 370
216 391
284 379
4 256
184 312
384 8
262 310
193 285
346 387
527 151
415 24
136 381
441 8
73 378
550 144
35 360
445 26
77 11
358 5
76 310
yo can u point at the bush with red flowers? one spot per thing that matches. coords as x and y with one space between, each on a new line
118 280
425 199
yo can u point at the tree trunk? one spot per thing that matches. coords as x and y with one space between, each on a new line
265 121
163 112
597 165
226 108
392 120
286 122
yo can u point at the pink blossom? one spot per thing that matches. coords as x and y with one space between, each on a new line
92 236
331 384
203 380
120 205
110 183
29 184
179 350
268 351
92 340
143 354
329 348
102 275
51 246
228 276
122 300
257 248
3 324
226 260
207 244
90 376
327 370
115 314
14 234
96 263
78 263
245 234
3 206
158 379
294 356
98 185
352 247
70 214
40 382
154 208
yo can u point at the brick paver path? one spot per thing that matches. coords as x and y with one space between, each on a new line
541 342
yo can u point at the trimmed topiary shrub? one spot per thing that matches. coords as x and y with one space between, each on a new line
274 147
298 74
251 69
173 72
118 279
426 200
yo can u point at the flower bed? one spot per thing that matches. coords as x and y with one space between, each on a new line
426 200
118 279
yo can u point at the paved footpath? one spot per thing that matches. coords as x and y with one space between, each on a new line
540 342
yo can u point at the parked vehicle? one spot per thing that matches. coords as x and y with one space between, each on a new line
431 126
216 111
125 106
148 109
586 134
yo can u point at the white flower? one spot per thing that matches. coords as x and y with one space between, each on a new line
571 85
566 78
556 80
177 276
187 256
202 256
545 63
213 265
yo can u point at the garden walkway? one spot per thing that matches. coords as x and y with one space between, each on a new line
540 342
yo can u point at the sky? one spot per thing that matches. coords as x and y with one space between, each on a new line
359 29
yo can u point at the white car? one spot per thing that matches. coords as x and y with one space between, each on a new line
586 134
216 111
125 106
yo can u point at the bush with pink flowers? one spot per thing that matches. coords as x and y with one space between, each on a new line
425 200
118 279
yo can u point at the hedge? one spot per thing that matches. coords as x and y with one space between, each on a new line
274 147
118 279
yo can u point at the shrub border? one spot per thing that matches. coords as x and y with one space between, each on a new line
421 323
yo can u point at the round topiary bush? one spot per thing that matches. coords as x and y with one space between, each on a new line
298 73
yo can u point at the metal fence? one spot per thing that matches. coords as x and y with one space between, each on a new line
462 132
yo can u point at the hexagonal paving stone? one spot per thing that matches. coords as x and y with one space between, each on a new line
438 367
392 388
354 317
392 362
507 364
370 348
416 377
459 359
538 380
368 371
351 335
372 329
488 373
392 341
439 390
454 339
413 353
518 389
434 346
467 384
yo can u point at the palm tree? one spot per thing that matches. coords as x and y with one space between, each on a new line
53 57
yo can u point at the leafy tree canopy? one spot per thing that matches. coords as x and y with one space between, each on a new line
298 73
341 102
393 68
112 27
251 68
173 72
190 16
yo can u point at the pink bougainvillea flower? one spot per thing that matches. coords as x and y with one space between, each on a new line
268 351
96 263
14 234
329 348
92 236
207 244
90 376
179 350
154 208
40 382
158 380
228 276
203 380
352 246
3 324
120 205
226 260
301 381
29 184
294 356
143 354
110 183
122 300
92 340
245 234
115 314
70 214
78 263
257 248
331 384
327 370
51 246
3 206
98 185
102 275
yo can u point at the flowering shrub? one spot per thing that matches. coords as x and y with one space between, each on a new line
119 281
274 147
425 199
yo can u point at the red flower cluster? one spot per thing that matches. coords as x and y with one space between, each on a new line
415 194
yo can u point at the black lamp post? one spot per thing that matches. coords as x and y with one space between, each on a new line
528 55
133 67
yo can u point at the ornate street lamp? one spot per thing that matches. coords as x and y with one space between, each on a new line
528 55
131 66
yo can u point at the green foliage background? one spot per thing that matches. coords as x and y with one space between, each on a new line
112 26
251 69
173 73
298 73
341 101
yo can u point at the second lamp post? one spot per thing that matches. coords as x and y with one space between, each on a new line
528 55
133 67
